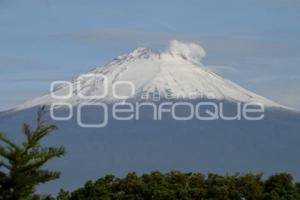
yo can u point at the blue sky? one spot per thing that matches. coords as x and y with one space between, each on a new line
254 43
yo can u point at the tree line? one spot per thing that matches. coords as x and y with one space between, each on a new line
177 185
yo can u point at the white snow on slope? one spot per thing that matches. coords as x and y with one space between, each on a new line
175 73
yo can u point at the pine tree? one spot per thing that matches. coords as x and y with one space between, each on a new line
21 165
63 195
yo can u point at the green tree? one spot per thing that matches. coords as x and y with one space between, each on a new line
63 195
21 165
176 185
250 186
280 186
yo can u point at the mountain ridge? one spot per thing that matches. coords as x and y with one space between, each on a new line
176 73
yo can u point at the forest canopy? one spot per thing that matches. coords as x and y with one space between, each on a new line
176 185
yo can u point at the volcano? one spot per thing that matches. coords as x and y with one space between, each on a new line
268 145
176 73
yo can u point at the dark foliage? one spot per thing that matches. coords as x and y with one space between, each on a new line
21 165
187 186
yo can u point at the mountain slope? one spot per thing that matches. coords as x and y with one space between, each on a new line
175 73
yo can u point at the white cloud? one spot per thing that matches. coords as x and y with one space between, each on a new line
190 51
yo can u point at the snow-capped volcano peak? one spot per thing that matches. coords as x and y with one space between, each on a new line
141 52
137 53
174 73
